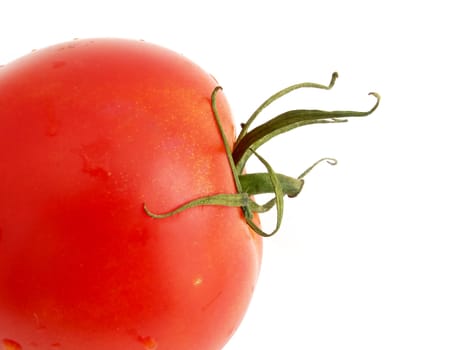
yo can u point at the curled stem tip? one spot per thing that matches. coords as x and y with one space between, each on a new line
330 161
279 94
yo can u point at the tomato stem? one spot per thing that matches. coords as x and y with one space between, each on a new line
246 145
238 184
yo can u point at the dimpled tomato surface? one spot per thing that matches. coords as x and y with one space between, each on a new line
89 131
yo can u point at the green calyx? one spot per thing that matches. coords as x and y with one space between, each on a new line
248 142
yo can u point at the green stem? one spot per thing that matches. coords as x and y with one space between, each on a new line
223 199
278 196
270 182
228 151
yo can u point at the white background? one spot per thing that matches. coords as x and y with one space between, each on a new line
373 253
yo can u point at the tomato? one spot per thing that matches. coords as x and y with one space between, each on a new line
127 219
90 130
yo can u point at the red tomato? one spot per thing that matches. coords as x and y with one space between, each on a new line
89 130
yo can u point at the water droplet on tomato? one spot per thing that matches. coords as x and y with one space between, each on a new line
58 64
37 321
9 344
97 171
96 159
149 343
52 123
197 281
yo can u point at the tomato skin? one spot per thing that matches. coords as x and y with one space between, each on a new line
89 130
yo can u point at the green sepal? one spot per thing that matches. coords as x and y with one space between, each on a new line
261 183
223 199
287 121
